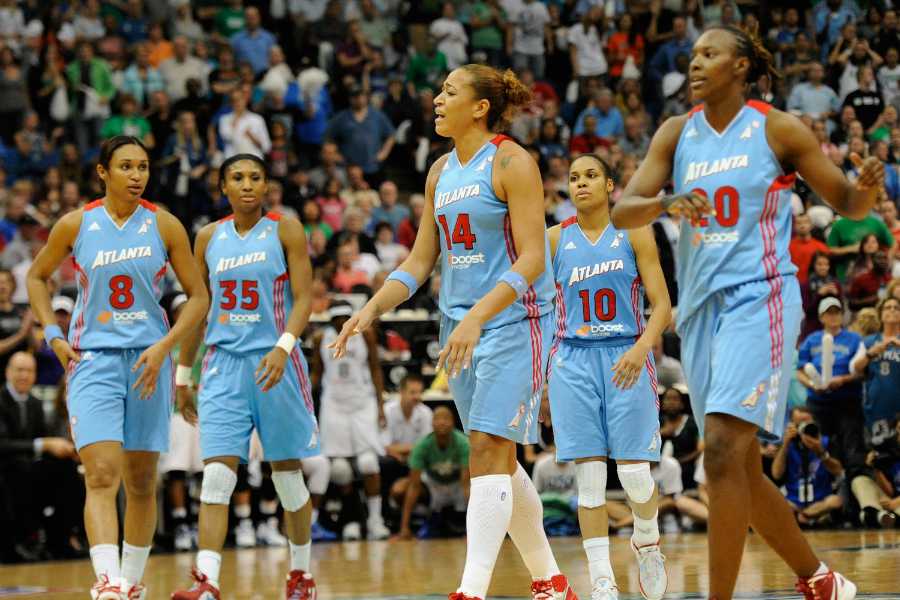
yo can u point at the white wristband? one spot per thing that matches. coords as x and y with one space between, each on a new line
286 342
183 376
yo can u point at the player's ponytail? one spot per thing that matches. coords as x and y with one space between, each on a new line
750 46
503 91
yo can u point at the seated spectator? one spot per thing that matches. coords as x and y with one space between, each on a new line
669 371
390 253
866 288
820 283
586 141
275 200
846 234
252 43
15 321
609 120
347 274
679 432
390 210
865 322
635 141
865 256
49 371
438 474
814 97
181 67
809 472
804 246
406 231
332 204
312 220
330 167
128 121
888 211
866 99
549 141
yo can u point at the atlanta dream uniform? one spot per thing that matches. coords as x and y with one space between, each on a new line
117 316
739 306
500 393
251 299
600 304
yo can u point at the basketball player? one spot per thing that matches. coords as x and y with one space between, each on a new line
484 218
603 396
351 410
732 163
254 373
117 353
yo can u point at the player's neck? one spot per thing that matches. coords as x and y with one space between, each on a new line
593 223
470 142
245 222
720 114
120 209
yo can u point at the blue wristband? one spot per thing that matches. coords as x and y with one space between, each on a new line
406 279
52 332
516 281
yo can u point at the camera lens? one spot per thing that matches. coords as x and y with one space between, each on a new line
810 429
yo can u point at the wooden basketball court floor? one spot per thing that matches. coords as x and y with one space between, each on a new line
428 570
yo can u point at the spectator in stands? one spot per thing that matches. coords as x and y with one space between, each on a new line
669 371
845 236
141 78
253 43
866 100
15 321
49 371
182 66
867 287
635 139
363 134
624 44
187 162
888 211
888 36
229 19
804 246
407 229
679 432
450 36
128 121
91 90
809 472
813 97
865 257
390 211
586 141
585 40
439 467
529 23
390 253
664 61
242 130
487 21
347 275
407 420
609 120
134 26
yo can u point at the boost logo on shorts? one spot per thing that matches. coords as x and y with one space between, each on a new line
464 261
715 239
234 319
122 317
601 329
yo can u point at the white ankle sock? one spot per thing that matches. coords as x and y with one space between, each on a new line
597 550
209 563
374 504
134 559
243 511
105 559
487 521
822 570
300 556
526 527
646 531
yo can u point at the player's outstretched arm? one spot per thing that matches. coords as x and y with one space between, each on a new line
641 204
795 145
59 246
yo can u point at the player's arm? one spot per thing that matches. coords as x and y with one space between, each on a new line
641 204
412 272
375 370
553 234
293 241
316 368
58 247
464 478
628 368
413 491
796 145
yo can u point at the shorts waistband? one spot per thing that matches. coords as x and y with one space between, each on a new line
600 342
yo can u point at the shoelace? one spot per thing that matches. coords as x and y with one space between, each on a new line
603 584
810 591
647 552
199 578
296 586
542 590
106 584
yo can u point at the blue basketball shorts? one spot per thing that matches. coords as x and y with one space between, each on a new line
500 393
231 405
103 407
590 415
737 351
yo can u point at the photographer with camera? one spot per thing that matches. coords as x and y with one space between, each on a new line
807 470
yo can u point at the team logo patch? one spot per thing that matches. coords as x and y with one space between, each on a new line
238 319
753 397
122 317
570 246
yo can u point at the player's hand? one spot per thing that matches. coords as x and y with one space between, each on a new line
382 420
790 432
354 325
271 368
870 458
456 355
691 206
64 352
151 360
544 414
871 172
628 368
186 403
814 444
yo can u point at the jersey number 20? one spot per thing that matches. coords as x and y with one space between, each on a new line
725 201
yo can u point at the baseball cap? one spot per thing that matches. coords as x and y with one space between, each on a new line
63 303
829 302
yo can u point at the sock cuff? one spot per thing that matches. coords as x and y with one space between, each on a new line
104 548
294 546
130 548
487 480
596 542
209 554
640 518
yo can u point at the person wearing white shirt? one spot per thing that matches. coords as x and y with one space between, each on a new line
586 45
450 36
407 420
182 66
530 27
243 131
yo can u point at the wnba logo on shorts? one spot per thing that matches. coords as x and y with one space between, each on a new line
601 329
233 319
124 318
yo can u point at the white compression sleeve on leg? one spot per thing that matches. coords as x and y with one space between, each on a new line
291 489
487 521
637 481
367 463
317 470
341 471
526 527
218 484
591 477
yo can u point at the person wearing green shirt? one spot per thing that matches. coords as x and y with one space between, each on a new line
488 22
90 90
230 19
440 461
845 235
128 122
426 68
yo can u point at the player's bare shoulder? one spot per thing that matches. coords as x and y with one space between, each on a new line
434 173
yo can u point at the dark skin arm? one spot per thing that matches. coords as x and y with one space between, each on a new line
413 491
375 370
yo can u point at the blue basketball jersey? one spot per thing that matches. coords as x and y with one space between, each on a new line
119 270
747 239
476 241
249 286
598 288
881 403
807 480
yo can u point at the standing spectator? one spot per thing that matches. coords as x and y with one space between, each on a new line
586 45
889 35
242 130
354 53
91 89
889 76
609 120
13 94
183 65
406 231
624 43
225 77
134 27
230 19
866 100
665 59
160 48
87 23
450 36
187 163
363 134
804 246
846 234
487 21
390 253
427 68
830 19
128 121
820 284
529 37
15 321
813 97
141 79
390 210
183 23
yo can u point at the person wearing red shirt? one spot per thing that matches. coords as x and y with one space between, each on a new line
865 287
586 142
408 227
346 275
803 246
622 44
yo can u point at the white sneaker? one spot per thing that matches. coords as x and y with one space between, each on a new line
244 534
604 589
134 591
267 533
376 530
352 532
184 541
653 578
106 589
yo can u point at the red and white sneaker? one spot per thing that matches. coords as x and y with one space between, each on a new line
300 586
555 588
106 589
828 586
201 590
133 591
461 596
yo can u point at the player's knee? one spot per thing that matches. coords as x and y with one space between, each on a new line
636 481
291 489
140 483
341 471
719 457
591 478
367 463
218 484
317 470
102 476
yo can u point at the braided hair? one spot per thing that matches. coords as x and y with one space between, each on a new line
749 45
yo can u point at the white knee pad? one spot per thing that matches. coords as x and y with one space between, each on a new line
341 471
317 470
591 477
218 484
367 463
636 481
291 489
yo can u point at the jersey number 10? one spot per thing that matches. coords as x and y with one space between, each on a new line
604 304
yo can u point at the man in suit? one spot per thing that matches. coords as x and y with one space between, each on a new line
36 471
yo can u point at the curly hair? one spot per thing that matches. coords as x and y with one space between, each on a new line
503 91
